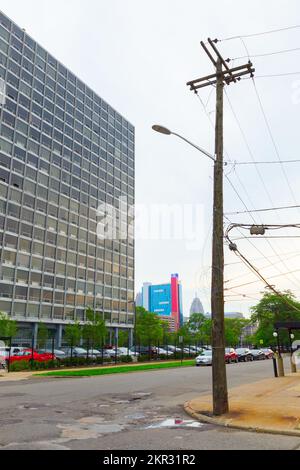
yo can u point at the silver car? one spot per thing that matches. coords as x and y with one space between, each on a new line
204 359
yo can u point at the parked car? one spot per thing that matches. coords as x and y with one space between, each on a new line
13 350
96 353
144 350
173 348
268 353
127 352
77 352
258 355
28 354
244 355
57 352
231 356
164 352
204 359
2 359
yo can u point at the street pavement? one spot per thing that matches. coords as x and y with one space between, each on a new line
133 411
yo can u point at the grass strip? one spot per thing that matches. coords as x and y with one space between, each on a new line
115 370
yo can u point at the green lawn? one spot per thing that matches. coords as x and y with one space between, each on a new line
116 370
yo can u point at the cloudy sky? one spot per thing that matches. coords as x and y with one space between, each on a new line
138 55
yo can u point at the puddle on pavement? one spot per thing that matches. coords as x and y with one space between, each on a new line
175 423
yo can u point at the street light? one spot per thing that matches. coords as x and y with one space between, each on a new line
276 336
165 131
220 394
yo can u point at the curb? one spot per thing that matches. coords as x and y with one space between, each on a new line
228 424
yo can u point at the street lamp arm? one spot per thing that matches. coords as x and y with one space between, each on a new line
207 154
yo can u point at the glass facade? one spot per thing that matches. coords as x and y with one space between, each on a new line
63 152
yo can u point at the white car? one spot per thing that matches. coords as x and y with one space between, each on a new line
174 349
127 352
164 352
204 359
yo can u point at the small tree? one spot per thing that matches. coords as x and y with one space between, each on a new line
123 338
73 334
8 327
42 335
94 331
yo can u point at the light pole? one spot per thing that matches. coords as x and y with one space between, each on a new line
220 394
279 359
133 302
291 339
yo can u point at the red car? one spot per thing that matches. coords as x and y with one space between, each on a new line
26 355
268 353
231 356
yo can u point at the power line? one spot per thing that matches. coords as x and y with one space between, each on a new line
287 74
267 54
238 253
259 34
236 192
261 179
263 162
273 140
255 282
270 265
262 258
270 209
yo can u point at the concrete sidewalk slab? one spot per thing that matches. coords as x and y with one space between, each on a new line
271 406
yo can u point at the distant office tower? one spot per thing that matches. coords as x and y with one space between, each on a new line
165 300
234 315
63 152
196 306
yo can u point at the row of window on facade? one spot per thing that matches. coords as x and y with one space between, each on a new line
47 296
22 310
44 61
101 180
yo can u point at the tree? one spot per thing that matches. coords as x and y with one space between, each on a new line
273 308
233 330
196 322
123 338
94 331
73 334
42 335
149 327
8 327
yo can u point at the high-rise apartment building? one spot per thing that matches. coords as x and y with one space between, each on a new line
63 152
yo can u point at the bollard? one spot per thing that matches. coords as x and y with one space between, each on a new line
280 367
275 367
293 366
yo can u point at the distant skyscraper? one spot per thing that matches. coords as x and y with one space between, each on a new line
196 306
139 300
165 300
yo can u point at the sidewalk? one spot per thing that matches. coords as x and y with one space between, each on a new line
272 406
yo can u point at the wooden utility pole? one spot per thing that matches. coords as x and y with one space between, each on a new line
223 75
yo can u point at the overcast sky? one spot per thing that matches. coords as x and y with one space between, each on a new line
138 56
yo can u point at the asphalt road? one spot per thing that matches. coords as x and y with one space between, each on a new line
128 412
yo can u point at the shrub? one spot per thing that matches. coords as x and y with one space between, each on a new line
19 366
126 359
163 357
143 358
